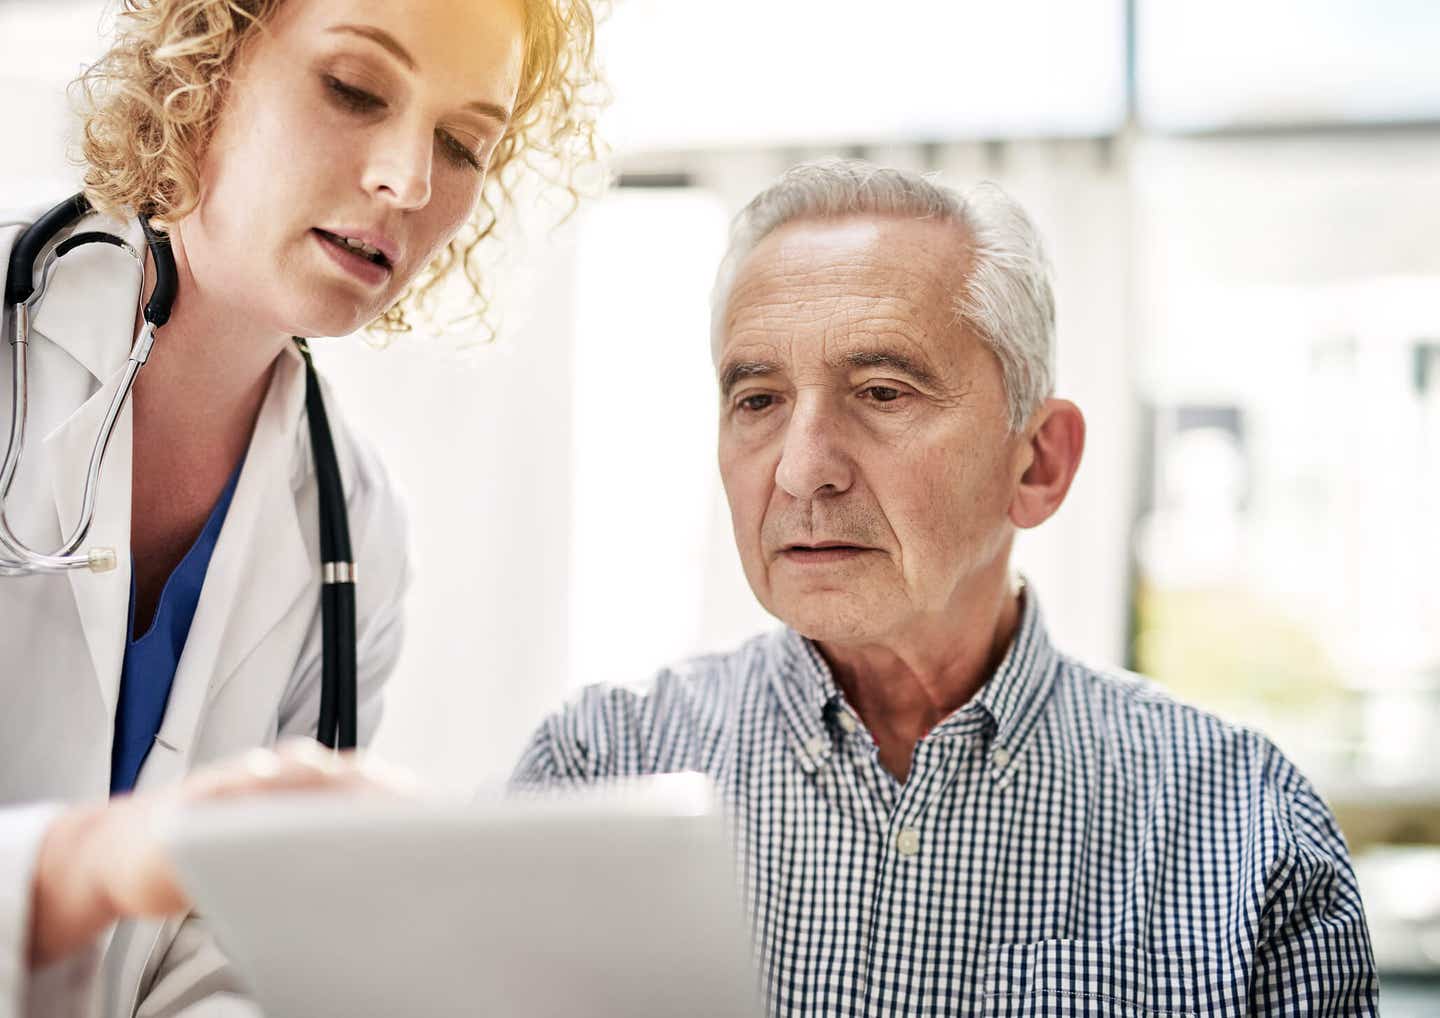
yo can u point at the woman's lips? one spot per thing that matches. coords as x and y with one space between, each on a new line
355 264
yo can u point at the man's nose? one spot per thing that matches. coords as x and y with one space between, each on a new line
813 460
400 165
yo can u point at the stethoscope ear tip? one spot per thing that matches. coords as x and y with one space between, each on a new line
101 560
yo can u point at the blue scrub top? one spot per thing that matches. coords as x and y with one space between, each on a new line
151 660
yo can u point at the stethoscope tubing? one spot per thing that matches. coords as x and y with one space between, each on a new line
22 286
338 696
338 692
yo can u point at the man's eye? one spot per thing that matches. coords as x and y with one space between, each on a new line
759 401
882 393
353 98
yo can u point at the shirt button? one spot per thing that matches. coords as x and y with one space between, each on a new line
816 746
847 722
1000 757
907 842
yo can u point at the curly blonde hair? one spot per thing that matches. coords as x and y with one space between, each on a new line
151 103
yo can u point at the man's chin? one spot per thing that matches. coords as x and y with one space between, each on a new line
834 616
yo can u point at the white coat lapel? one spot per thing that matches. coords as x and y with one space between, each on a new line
259 569
102 599
91 317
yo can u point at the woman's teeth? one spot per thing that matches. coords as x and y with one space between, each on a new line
359 247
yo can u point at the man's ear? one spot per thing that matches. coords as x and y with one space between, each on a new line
1049 461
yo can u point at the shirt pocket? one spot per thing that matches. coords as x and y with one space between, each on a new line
1084 979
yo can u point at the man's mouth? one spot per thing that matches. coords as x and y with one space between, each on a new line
822 552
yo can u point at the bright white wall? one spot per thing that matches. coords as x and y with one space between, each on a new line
785 72
478 437
1230 63
42 47
646 504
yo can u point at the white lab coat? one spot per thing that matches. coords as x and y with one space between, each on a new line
250 671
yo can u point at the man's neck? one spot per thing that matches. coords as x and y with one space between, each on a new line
904 687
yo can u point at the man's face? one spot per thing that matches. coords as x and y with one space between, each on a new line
864 439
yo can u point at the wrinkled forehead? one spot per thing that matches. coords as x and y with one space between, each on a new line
821 291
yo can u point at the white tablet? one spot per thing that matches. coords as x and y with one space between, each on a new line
619 902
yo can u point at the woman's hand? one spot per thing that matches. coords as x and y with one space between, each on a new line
101 863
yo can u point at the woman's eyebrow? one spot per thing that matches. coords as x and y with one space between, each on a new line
493 111
384 39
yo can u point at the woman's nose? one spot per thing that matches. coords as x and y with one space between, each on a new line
399 169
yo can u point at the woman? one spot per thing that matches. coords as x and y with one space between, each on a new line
318 165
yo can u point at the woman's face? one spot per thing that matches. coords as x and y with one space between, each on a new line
365 121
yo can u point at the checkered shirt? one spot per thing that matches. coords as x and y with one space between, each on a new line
1070 842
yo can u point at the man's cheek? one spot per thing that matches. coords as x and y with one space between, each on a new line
747 511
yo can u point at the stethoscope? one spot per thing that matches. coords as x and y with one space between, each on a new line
337 566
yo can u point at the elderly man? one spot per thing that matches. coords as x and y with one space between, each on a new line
936 811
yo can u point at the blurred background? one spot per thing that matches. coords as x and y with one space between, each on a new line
1240 200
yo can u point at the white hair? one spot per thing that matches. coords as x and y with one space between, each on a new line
1006 298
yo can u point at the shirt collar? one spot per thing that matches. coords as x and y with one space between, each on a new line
1009 703
1015 695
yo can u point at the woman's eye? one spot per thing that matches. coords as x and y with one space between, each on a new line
756 403
458 152
882 393
358 100
353 98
